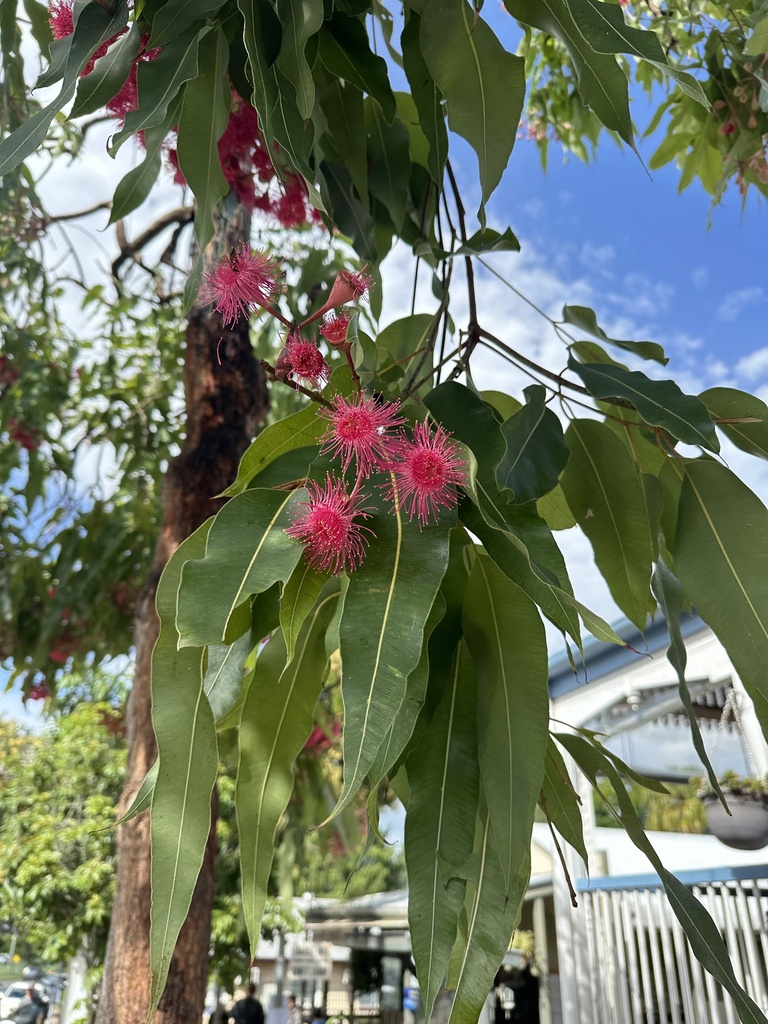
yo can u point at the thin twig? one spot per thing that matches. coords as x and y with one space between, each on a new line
273 376
525 361
130 250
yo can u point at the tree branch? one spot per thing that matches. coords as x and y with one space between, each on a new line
130 250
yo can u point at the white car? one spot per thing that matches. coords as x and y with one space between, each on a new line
12 997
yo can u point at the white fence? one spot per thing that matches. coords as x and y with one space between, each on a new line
642 970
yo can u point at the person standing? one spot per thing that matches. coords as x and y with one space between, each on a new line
247 1010
294 1013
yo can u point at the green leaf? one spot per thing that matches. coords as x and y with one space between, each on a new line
204 117
757 44
660 402
225 674
346 53
174 17
381 633
669 593
298 599
95 25
426 97
187 756
729 404
443 775
277 718
247 552
602 83
404 722
702 932
536 452
300 19
553 509
560 801
108 75
343 107
295 135
483 85
585 319
388 161
38 15
506 639
605 493
136 185
721 559
491 920
143 798
299 430
350 216
262 36
405 341
159 81
604 28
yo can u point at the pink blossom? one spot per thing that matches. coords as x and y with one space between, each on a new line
358 430
335 329
348 287
427 469
306 361
240 283
333 540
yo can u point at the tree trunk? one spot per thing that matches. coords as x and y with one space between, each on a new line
226 399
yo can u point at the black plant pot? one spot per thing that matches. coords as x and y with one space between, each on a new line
746 828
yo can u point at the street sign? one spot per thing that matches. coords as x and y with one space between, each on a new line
310 961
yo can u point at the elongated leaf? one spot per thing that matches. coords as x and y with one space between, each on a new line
224 675
108 75
247 552
730 404
483 85
605 494
702 932
506 639
660 402
296 431
295 135
136 185
560 801
444 777
351 217
604 28
300 20
276 721
159 81
404 722
491 919
381 633
406 338
298 599
554 510
585 319
388 161
346 53
262 35
94 26
344 139
669 594
426 96
187 758
721 559
204 117
536 452
40 25
602 83
143 798
174 17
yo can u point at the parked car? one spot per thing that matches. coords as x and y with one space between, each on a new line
4 958
32 973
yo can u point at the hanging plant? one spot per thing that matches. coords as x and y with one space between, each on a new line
743 824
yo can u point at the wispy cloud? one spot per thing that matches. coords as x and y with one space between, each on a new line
754 366
737 301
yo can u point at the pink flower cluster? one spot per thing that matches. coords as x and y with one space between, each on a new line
424 468
245 158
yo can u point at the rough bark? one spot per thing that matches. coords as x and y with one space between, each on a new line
226 398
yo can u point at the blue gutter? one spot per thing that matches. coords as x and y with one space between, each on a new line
701 876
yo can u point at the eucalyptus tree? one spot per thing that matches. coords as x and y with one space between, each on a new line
401 524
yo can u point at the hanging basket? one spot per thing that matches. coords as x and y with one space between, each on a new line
746 828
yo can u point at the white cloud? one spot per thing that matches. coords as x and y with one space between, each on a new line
754 366
737 301
700 276
597 257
